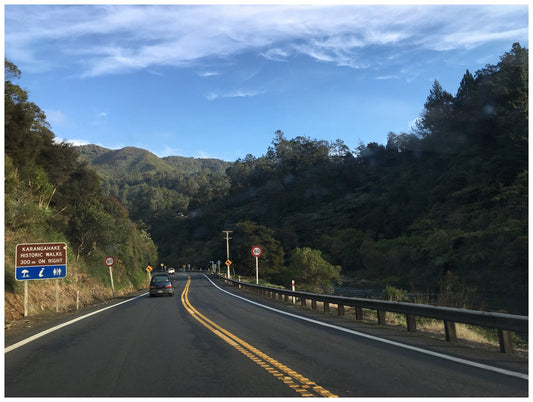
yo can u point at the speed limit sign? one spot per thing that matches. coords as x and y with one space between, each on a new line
256 251
109 261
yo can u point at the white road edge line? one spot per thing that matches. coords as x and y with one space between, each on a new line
375 338
46 332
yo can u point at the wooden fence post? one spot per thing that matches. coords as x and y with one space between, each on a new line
506 341
449 328
411 323
381 317
340 310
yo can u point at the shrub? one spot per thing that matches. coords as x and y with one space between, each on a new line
394 294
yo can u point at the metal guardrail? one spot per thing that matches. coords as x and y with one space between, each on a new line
506 324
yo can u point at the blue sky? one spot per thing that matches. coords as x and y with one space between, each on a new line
218 81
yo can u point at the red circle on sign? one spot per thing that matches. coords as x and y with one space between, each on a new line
109 261
256 251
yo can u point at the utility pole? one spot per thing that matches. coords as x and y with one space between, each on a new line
227 232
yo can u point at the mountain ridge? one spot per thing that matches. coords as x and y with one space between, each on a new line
133 161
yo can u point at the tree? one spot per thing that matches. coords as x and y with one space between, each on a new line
437 111
248 234
311 271
338 149
297 154
26 131
466 89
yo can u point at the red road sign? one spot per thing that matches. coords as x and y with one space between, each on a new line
109 261
256 251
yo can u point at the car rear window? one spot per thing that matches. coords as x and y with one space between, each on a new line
160 278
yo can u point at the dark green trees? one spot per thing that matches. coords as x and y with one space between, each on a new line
50 195
451 196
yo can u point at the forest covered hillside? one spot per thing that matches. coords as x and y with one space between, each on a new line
443 207
154 189
440 209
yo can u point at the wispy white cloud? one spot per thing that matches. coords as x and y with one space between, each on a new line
211 96
233 94
276 54
412 125
388 77
208 73
99 119
165 150
75 142
117 39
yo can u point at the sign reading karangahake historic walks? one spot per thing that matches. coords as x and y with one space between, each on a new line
41 261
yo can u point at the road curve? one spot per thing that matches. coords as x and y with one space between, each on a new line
159 347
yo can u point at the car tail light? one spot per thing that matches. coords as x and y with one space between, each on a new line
168 286
152 287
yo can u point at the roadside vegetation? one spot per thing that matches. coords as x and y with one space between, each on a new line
51 196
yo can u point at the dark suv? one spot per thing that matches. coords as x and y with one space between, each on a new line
161 284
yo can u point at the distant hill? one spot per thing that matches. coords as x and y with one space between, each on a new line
133 164
195 165
155 189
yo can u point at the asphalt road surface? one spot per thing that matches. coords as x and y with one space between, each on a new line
206 342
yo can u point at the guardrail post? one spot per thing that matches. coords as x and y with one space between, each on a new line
381 317
303 302
313 304
411 323
449 329
359 313
340 310
326 307
506 341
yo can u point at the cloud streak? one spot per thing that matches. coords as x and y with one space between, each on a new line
233 94
118 39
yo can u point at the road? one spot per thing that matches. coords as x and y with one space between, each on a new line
205 342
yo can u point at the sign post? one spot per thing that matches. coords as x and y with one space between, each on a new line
256 252
293 288
109 261
148 269
25 298
228 263
40 261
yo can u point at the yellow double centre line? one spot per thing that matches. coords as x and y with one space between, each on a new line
297 382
